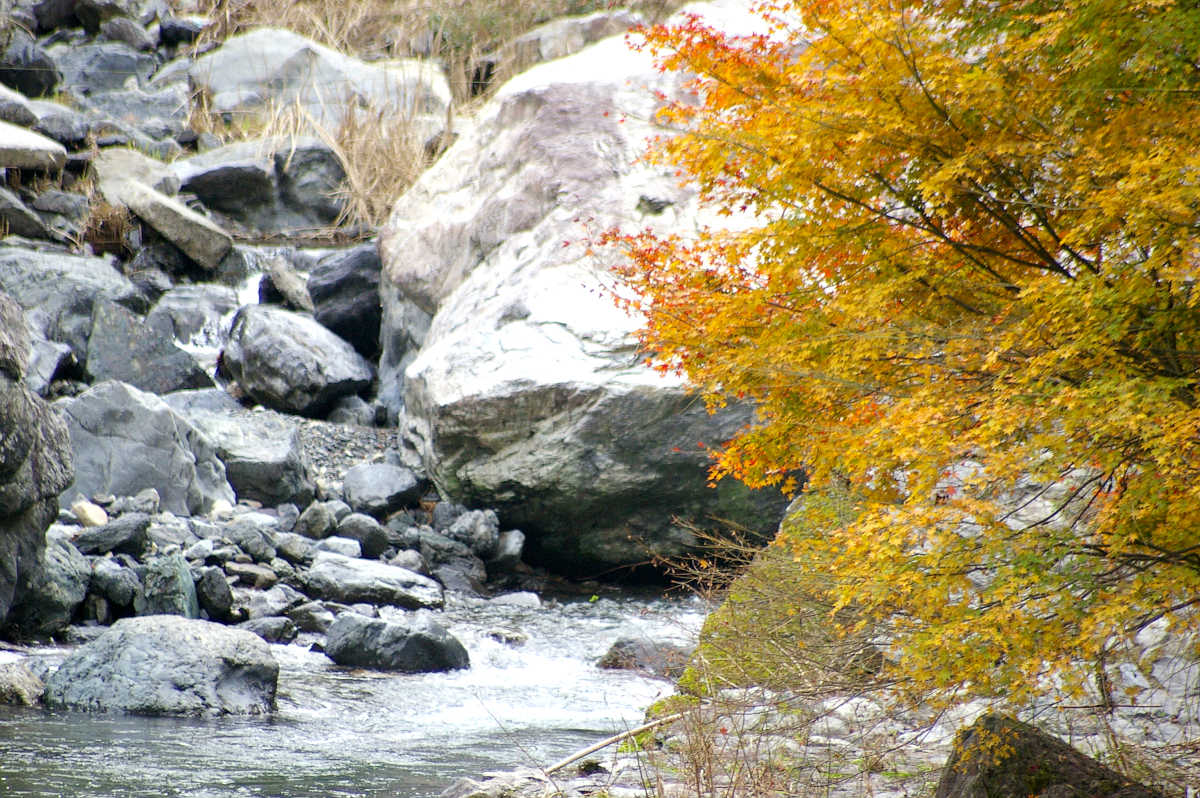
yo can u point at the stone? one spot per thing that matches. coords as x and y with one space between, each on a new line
379 488
345 293
48 360
199 238
162 665
347 547
64 288
370 534
275 629
252 575
285 283
122 163
416 645
262 452
125 440
145 501
214 594
127 535
271 65
479 530
1000 756
519 381
89 69
126 31
124 347
93 13
174 31
312 616
294 548
168 588
53 591
67 126
25 66
89 514
24 149
18 219
337 578
14 109
19 685
664 660
194 314
116 583
290 363
317 521
273 601
251 538
509 548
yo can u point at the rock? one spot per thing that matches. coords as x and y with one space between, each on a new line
125 440
664 660
275 66
412 560
479 530
145 501
126 31
509 548
18 219
116 583
194 314
89 514
999 756
337 578
370 534
14 109
418 645
287 283
19 685
310 176
519 379
351 410
276 600
294 548
262 452
312 616
35 462
258 577
251 538
317 521
162 665
214 594
345 293
52 592
121 163
274 629
89 69
291 363
123 347
168 588
48 360
126 534
379 488
347 547
200 239
93 13
174 31
25 66
67 126
64 288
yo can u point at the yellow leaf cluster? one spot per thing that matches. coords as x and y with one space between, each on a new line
968 304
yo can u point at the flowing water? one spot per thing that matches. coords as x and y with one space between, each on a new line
339 732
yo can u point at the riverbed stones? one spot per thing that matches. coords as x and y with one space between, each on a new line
214 594
115 582
165 665
125 440
19 685
371 536
416 644
290 362
139 352
53 590
380 488
25 66
345 292
202 241
127 535
168 588
348 580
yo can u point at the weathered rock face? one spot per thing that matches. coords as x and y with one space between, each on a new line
418 645
1001 756
167 665
345 290
126 348
125 441
291 363
35 462
526 393
348 580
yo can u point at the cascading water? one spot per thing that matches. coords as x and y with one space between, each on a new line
339 732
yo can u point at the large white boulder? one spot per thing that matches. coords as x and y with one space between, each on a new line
518 377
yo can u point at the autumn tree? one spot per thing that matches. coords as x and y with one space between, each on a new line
965 308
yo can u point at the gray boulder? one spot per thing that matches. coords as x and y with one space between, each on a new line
337 578
197 236
92 14
19 685
24 149
416 645
64 288
251 538
263 456
274 629
101 67
380 488
479 530
195 313
347 547
116 583
371 536
214 594
48 360
25 66
35 463
317 522
141 353
664 660
125 440
289 362
18 219
345 292
168 588
53 591
14 108
167 665
121 163
520 382
311 616
126 535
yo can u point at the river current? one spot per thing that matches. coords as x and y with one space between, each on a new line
340 732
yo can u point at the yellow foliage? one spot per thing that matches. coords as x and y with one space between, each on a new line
969 299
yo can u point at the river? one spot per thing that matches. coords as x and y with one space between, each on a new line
358 733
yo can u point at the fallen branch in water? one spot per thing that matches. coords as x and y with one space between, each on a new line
654 724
